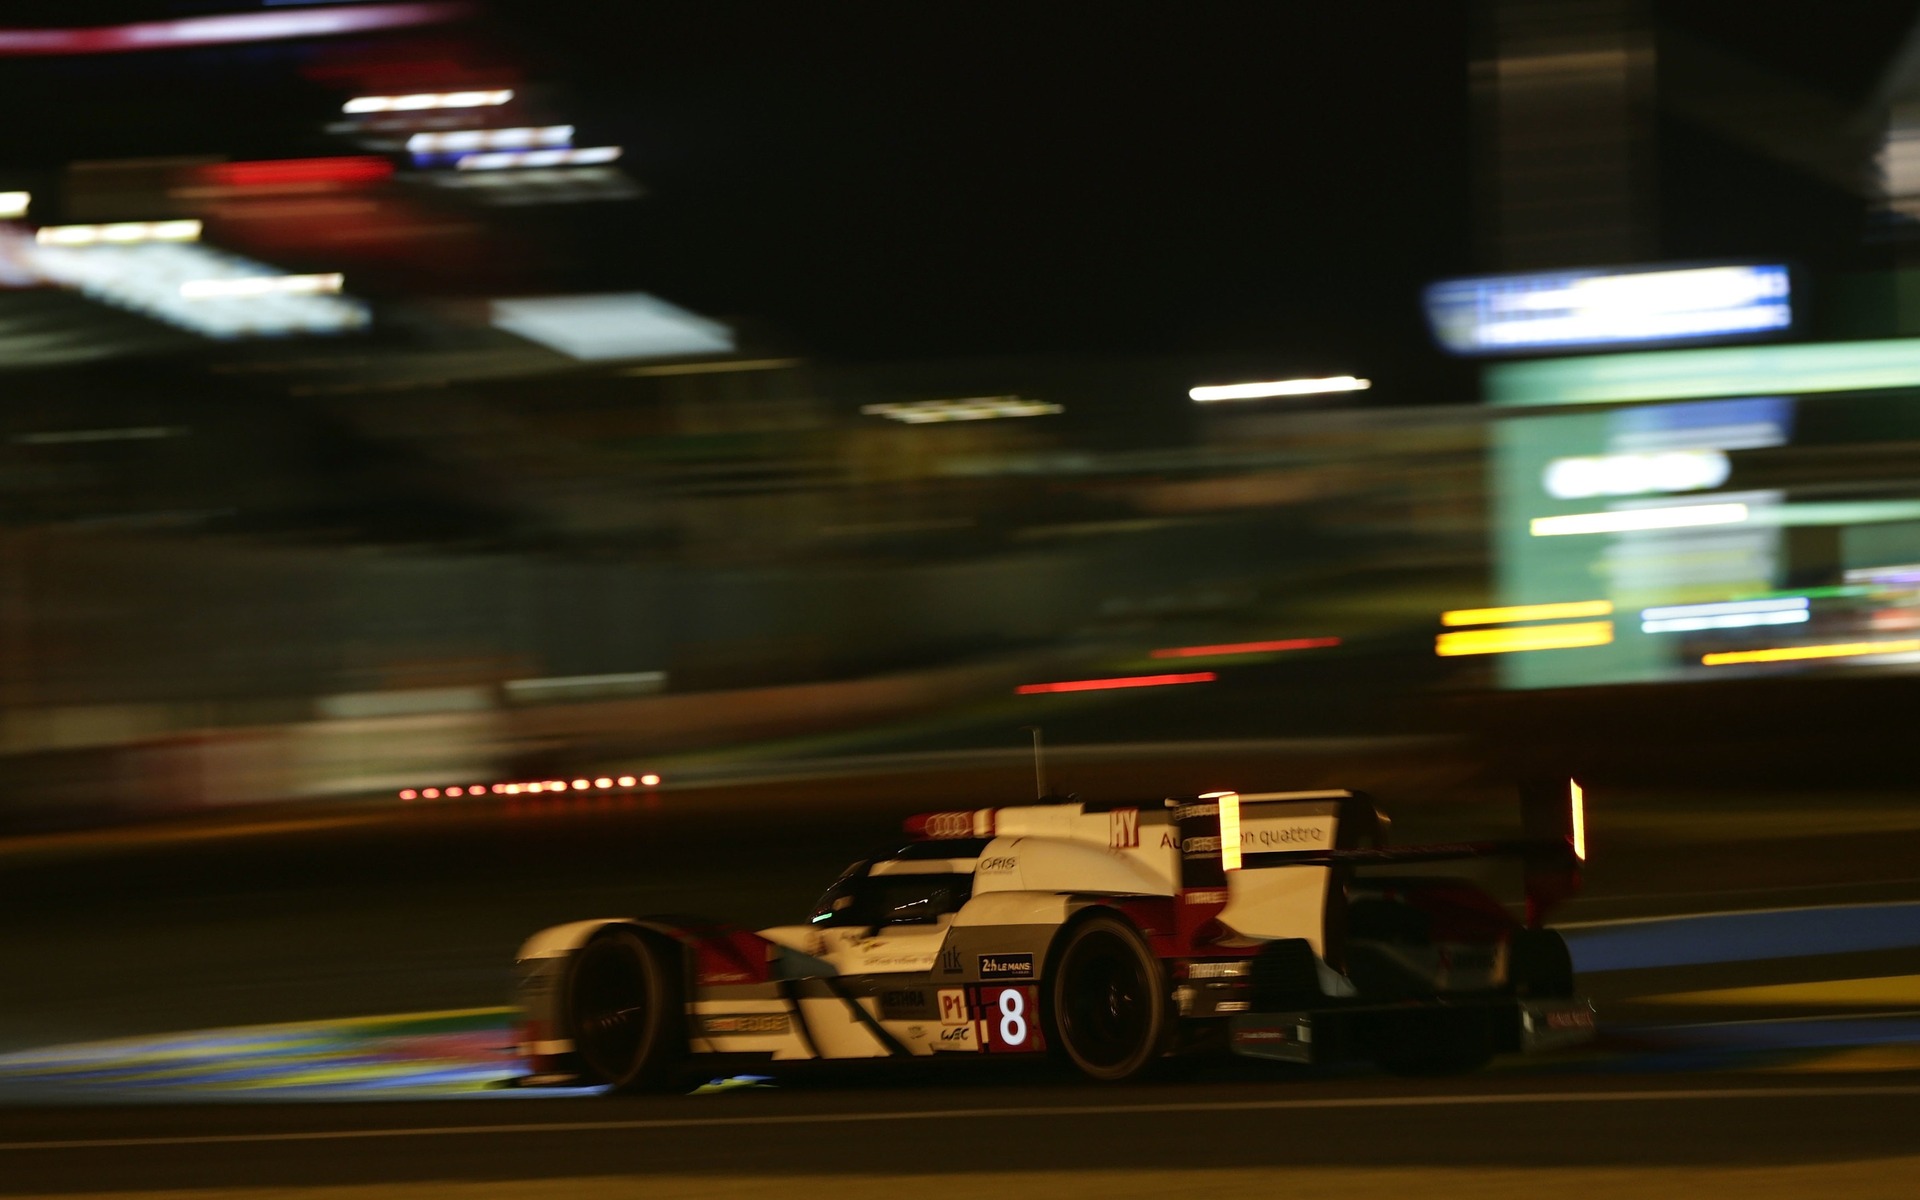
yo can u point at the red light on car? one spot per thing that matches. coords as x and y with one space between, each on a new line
650 780
1246 647
431 793
1101 685
409 794
456 791
627 781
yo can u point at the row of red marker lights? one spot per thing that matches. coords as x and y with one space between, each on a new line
603 783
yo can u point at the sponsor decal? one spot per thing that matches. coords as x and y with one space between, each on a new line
1123 828
1200 845
1204 896
953 1006
949 825
957 1037
1006 966
709 977
904 998
998 865
950 961
902 959
1007 1021
1189 811
721 1024
1283 837
1578 1018
1166 840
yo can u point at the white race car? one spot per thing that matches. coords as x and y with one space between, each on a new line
1112 936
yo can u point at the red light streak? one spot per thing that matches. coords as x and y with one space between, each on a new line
1246 647
1101 685
281 172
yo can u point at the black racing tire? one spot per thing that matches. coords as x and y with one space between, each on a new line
625 1006
1539 964
1110 1008
1437 1041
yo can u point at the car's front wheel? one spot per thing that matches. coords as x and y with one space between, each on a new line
625 1009
1109 1001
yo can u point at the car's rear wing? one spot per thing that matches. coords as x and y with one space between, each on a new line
1553 816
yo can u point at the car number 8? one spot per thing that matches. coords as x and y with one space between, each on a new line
1013 1017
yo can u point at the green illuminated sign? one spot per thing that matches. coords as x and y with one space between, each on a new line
1698 374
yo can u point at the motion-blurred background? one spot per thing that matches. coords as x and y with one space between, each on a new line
421 395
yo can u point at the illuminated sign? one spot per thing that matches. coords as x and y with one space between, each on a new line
1699 374
1507 313
1635 474
614 325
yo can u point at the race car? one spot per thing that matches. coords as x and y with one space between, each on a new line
1114 937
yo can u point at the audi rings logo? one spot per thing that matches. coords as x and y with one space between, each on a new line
949 825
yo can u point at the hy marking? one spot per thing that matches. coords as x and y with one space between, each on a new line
952 1114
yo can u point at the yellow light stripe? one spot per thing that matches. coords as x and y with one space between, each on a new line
1578 798
1524 637
1888 989
1229 830
1528 612
1796 653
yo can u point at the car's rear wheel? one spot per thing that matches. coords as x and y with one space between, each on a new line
625 1009
1109 1001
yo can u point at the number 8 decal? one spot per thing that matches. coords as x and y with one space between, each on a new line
1013 1017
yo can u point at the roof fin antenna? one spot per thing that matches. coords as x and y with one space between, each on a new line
1039 763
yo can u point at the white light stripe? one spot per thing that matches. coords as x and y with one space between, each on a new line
490 139
423 100
1724 608
14 204
501 160
121 233
261 285
976 408
1277 387
1677 1095
1630 519
1729 621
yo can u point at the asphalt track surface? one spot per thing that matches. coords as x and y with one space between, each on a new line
847 1128
329 914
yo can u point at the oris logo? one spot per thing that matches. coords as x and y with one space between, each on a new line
949 825
1200 845
998 865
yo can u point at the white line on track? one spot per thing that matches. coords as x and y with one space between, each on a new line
953 1114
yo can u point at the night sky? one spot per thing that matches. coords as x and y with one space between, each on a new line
870 181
